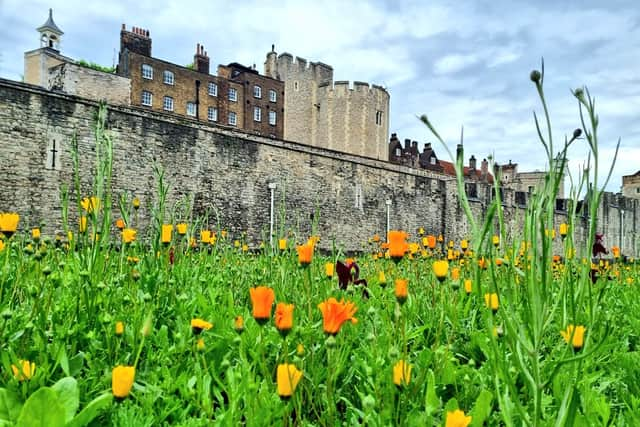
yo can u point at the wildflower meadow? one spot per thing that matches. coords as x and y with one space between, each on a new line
186 323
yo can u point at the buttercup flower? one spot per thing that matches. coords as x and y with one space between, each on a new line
198 325
9 223
335 313
119 328
284 317
288 377
401 373
90 204
457 418
129 235
122 380
574 335
262 299
440 269
491 301
25 372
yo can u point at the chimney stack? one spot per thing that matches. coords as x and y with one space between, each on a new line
472 162
484 168
407 144
201 60
137 40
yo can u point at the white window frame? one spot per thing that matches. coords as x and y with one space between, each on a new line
147 71
233 118
432 160
213 89
233 94
273 95
212 114
191 106
167 103
257 91
272 118
168 78
398 152
257 114
142 98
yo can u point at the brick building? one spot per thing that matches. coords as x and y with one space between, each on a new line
631 185
237 97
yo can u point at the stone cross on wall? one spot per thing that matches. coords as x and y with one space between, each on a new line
54 149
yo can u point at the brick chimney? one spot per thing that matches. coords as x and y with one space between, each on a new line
407 144
137 40
201 60
472 162
484 168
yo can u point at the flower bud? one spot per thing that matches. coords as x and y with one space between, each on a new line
577 133
535 76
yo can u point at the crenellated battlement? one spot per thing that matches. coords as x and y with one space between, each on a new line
347 88
287 66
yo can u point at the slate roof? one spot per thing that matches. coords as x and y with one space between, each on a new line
50 25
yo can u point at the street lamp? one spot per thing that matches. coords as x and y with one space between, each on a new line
388 203
272 188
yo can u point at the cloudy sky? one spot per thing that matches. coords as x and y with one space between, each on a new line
461 63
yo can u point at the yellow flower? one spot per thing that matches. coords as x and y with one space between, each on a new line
119 328
205 236
122 380
300 350
328 269
181 228
129 235
198 325
495 240
1 245
402 373
575 335
491 301
282 244
9 223
35 234
245 247
82 226
421 231
455 273
165 235
26 372
90 204
464 245
136 203
457 418
440 269
564 228
382 280
236 243
288 378
468 286
238 324
200 344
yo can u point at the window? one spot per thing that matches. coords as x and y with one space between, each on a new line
398 152
191 109
432 160
295 85
257 92
257 114
358 192
147 98
147 71
168 77
233 94
167 103
213 89
232 118
272 118
212 114
379 118
273 95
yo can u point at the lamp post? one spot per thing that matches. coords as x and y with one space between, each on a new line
272 189
388 203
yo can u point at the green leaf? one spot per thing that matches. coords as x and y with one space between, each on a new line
63 359
92 410
481 409
68 395
75 364
432 402
42 409
450 406
10 405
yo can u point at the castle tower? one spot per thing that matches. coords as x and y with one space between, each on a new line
351 118
50 34
37 62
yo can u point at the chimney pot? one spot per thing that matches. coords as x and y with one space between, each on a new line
407 143
124 27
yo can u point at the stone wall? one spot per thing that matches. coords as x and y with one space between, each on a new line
88 83
228 173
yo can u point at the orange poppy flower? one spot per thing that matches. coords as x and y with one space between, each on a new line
305 254
284 317
431 241
262 299
397 241
335 313
401 290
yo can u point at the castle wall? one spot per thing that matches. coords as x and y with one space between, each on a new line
631 186
228 174
88 83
